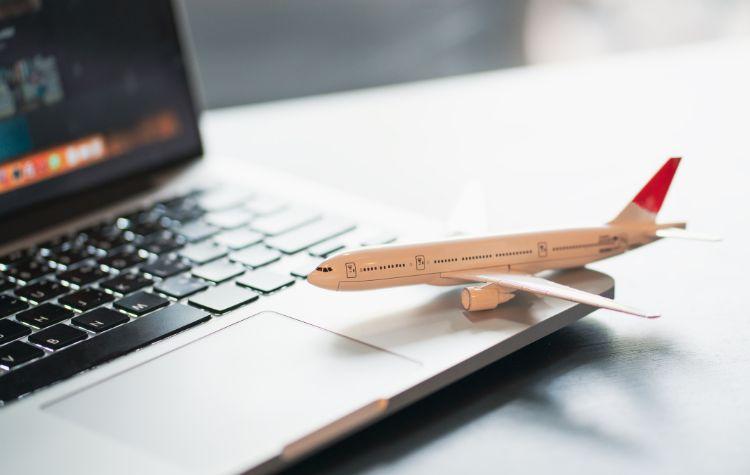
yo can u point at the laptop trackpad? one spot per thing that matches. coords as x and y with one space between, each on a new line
239 396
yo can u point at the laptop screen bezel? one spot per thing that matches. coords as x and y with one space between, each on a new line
36 195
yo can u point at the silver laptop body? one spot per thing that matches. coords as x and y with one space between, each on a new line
208 351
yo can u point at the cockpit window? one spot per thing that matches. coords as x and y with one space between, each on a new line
324 269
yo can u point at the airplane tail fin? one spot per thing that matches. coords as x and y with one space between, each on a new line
647 203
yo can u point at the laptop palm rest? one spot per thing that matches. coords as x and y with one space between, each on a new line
239 396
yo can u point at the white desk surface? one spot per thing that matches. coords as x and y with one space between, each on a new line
557 145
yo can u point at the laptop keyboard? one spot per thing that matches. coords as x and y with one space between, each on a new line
85 298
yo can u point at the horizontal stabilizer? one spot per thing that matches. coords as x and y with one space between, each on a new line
685 234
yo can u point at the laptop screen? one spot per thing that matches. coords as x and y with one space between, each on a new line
90 90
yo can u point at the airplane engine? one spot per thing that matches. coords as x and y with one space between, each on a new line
485 297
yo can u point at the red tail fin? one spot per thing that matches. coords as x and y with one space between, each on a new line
648 201
651 197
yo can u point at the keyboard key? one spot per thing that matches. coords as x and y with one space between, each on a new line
44 315
126 256
283 221
219 199
95 351
265 205
265 281
229 219
141 303
41 291
378 239
5 284
203 252
196 231
126 283
65 258
85 299
165 266
180 286
10 330
238 238
28 270
218 271
223 298
326 248
82 275
15 257
256 256
162 242
16 353
108 242
100 319
303 267
59 336
10 305
305 236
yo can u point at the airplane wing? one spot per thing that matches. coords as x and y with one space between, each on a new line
541 286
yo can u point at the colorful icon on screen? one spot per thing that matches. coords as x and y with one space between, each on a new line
54 161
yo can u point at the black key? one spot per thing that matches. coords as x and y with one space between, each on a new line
68 257
5 284
16 353
82 275
145 228
284 221
196 231
44 315
159 243
180 286
256 256
85 299
108 243
182 209
140 303
15 257
165 266
59 336
100 319
126 256
203 252
305 236
28 270
223 298
10 305
10 330
126 283
95 351
218 271
41 291
265 281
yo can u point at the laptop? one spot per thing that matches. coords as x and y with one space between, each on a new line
154 312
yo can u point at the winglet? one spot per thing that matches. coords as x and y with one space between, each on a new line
648 201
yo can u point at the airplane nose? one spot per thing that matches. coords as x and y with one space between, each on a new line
324 280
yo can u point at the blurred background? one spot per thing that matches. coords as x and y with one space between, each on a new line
252 51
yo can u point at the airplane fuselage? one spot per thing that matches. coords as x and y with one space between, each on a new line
426 263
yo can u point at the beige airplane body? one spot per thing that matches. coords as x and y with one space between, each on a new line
505 264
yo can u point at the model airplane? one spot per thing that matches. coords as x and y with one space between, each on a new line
505 264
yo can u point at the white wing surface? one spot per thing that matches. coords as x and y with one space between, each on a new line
541 286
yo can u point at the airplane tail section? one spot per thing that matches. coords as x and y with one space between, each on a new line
647 203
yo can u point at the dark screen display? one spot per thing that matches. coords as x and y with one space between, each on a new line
89 90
